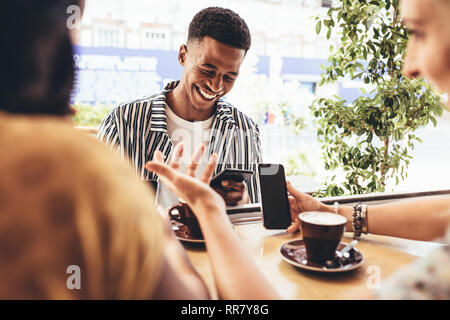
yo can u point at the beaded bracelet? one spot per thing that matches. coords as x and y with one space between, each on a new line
359 221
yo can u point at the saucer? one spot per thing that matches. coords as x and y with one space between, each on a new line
182 235
294 252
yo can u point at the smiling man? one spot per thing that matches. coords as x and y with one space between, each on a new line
193 110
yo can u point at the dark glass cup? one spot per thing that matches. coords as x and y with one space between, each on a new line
185 216
322 233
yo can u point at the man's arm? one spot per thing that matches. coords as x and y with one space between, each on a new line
254 182
108 130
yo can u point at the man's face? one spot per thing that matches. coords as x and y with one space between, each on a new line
428 53
210 69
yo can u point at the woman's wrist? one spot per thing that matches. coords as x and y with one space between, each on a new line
328 208
207 206
344 211
347 212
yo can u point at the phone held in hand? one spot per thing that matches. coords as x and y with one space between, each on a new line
237 175
274 199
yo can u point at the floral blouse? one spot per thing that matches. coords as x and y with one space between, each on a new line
427 278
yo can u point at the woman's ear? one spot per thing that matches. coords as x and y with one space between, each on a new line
182 54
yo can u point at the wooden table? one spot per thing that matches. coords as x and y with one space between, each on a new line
382 255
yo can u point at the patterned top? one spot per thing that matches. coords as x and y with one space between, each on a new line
427 278
138 128
66 229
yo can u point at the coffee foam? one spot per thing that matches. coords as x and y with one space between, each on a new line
322 218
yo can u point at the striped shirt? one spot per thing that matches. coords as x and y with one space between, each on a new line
138 128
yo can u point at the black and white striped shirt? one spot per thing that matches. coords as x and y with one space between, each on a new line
138 128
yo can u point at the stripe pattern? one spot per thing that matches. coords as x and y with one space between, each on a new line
138 128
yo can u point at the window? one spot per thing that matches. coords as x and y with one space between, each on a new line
155 39
281 29
327 3
108 37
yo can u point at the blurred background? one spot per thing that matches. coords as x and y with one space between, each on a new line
126 49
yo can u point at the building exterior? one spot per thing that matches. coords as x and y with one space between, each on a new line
278 27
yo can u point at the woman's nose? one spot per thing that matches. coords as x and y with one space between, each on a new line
410 65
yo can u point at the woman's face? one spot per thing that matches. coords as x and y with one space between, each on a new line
428 52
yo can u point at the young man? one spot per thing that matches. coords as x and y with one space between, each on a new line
192 110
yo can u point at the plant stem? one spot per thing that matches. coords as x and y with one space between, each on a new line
383 163
386 141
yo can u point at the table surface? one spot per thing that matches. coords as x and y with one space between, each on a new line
382 257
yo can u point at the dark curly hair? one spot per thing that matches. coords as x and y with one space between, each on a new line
222 25
36 59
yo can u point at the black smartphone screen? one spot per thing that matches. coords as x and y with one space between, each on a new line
275 203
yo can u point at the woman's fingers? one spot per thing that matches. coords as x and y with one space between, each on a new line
177 155
294 192
209 170
192 167
165 172
160 169
293 227
158 157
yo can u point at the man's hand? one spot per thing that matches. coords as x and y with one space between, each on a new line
233 192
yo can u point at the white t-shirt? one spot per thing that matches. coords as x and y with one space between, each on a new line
193 134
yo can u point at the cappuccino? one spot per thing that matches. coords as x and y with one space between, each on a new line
322 218
322 232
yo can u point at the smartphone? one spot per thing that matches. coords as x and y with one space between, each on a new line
237 175
274 199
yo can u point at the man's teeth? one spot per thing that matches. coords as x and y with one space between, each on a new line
206 95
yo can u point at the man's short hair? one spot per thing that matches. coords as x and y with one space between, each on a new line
221 24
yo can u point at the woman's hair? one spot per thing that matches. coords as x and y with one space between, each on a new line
36 57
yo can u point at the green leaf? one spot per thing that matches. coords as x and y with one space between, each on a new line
388 5
433 120
353 134
318 26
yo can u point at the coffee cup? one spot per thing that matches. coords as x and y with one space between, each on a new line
322 233
185 216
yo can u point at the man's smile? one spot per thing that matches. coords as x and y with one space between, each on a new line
205 95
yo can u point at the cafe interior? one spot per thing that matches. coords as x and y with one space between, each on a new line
225 150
